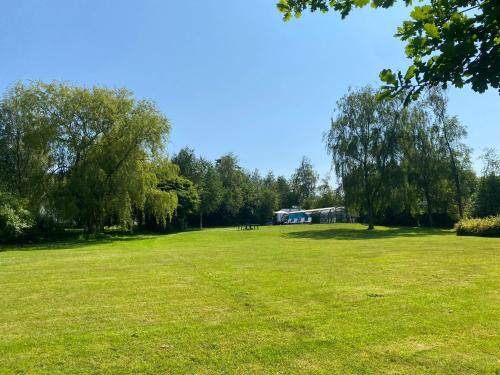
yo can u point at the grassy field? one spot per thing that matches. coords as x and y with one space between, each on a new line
290 299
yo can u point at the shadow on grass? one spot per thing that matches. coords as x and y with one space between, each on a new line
74 240
341 233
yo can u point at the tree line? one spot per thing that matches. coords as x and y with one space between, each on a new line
231 195
401 163
396 163
90 158
74 157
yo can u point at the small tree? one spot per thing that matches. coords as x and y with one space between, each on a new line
233 180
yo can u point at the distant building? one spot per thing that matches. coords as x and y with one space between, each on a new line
284 212
316 215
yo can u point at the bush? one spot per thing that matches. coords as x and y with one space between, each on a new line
487 227
15 220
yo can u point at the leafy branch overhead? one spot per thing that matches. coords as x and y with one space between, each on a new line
453 42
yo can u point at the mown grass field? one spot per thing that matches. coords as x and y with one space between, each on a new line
290 299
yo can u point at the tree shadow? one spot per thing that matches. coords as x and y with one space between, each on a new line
341 233
73 242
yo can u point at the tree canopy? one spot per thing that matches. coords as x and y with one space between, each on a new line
396 161
83 156
363 144
450 42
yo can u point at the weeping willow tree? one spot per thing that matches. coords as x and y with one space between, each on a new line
84 156
363 142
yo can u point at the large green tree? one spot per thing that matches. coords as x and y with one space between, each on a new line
424 161
83 156
451 136
233 179
435 162
187 196
210 189
205 178
190 166
27 160
265 198
450 42
363 143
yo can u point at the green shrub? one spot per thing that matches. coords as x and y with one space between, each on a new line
15 220
487 226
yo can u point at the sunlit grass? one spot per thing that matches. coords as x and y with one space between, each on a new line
290 299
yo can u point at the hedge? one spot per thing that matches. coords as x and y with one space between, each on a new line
487 227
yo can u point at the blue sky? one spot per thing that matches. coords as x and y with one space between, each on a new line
230 75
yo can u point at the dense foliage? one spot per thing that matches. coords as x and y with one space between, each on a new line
83 157
453 42
231 195
400 164
75 157
486 227
363 143
487 197
15 219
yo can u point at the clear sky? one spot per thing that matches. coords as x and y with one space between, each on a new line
229 74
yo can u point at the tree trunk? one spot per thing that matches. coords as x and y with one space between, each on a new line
456 177
370 216
18 162
91 230
369 203
429 207
458 186
201 220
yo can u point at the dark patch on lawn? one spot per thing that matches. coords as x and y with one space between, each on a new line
360 234
375 295
73 241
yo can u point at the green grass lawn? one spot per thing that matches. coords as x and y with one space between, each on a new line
289 299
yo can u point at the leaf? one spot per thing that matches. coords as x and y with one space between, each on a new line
382 95
421 13
431 30
387 76
410 73
458 81
361 3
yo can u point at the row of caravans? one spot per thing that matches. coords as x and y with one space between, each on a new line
317 215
